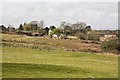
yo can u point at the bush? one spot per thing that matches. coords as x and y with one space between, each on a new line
93 36
111 46
81 35
43 32
56 31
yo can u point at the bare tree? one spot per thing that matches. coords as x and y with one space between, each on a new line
78 25
63 24
41 24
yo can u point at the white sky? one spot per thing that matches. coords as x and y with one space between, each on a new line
100 15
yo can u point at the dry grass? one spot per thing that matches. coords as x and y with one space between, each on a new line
66 44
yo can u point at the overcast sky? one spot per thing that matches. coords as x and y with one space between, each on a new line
100 15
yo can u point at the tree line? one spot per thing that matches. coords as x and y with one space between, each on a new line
79 29
66 28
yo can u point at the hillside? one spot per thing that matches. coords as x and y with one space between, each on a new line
35 57
51 44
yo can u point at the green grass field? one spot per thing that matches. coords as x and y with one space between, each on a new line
30 63
27 62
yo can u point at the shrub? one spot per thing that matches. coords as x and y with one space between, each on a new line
81 35
56 31
111 46
92 36
43 32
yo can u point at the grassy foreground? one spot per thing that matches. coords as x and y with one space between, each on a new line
30 63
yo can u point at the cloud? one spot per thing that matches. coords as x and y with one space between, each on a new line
100 15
